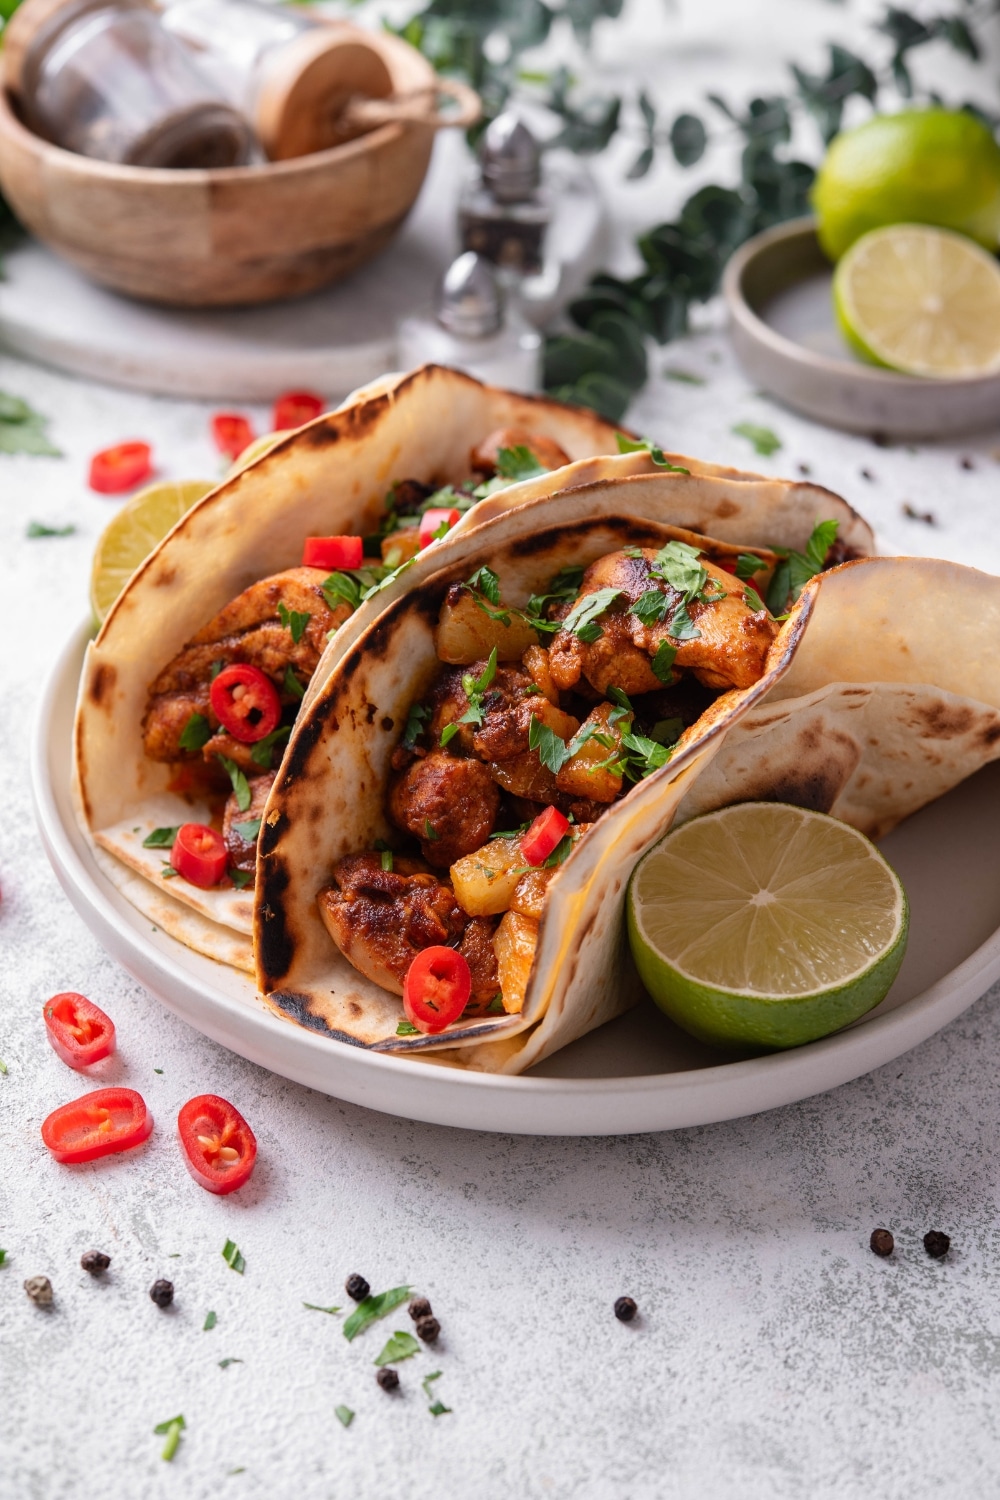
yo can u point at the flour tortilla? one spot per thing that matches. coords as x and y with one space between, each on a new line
330 797
327 478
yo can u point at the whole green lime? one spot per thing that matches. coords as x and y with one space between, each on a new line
926 166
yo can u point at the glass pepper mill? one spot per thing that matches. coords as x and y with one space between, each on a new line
505 211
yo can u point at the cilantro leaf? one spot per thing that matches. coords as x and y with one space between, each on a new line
582 618
553 752
400 1346
292 685
344 1415
196 733
240 784
232 1360
216 668
643 445
160 838
484 581
248 831
241 878
617 695
667 731
448 733
313 1307
373 1308
518 463
747 565
560 853
645 756
682 627
209 1323
407 1028
677 564
437 1408
796 568
262 752
341 588
474 688
293 620
753 599
663 661
765 442
430 832
23 430
651 607
819 544
416 721
234 1260
565 585
38 528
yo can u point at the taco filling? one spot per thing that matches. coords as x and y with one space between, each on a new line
537 721
222 710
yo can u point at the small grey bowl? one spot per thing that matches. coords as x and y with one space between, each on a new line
777 291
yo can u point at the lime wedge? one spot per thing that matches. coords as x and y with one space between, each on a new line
763 925
135 530
256 450
922 301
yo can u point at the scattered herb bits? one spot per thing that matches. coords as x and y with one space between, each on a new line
314 1307
344 1415
209 1323
387 1378
419 1308
39 1289
234 1260
95 1261
937 1244
625 1309
428 1329
172 1430
3 1257
437 1408
882 1242
400 1346
373 1308
232 1360
162 1293
357 1287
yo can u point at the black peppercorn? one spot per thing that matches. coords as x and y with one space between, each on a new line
419 1308
625 1309
357 1287
936 1244
39 1289
882 1242
162 1293
387 1378
95 1261
428 1329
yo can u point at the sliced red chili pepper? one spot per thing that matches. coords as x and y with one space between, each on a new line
231 432
97 1124
115 470
431 522
219 1147
545 833
245 702
78 1030
199 854
727 564
295 409
333 552
436 989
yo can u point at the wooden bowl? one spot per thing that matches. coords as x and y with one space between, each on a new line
234 235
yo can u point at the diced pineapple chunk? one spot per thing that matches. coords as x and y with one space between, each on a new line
580 776
466 633
536 664
514 944
399 546
529 893
484 881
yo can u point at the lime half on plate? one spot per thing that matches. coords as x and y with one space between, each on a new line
763 925
135 530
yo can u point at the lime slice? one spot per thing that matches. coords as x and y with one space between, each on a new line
922 301
135 530
763 925
256 450
921 166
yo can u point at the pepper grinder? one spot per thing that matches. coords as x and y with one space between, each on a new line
474 330
505 210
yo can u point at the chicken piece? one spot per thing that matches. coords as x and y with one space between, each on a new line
477 949
448 803
509 704
381 919
524 776
729 651
546 450
240 753
249 630
408 495
235 829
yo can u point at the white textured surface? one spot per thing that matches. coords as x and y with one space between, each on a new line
775 1355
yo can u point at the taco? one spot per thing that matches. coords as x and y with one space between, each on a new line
481 769
189 692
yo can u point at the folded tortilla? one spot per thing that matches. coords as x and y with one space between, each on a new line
330 797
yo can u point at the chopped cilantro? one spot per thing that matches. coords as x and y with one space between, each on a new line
160 838
518 463
495 1007
314 1307
196 733
168 873
172 1429
430 832
582 618
753 598
560 853
262 752
344 1415
765 442
685 377
373 1308
823 537
747 565
249 830
292 685
234 1260
241 878
475 687
294 620
157 1070
3 1253
240 784
210 1322
436 1408
667 731
621 698
552 751
796 568
448 733
341 588
416 721
400 1346
484 581
651 607
386 860
643 445
677 564
232 1360
216 668
38 528
22 430
407 1028
663 661
644 756
682 627
564 586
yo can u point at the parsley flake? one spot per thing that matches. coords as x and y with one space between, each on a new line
484 581
172 1430
196 733
643 445
518 463
344 1415
160 838
240 784
231 1255
210 1322
314 1307
582 618
407 1028
682 627
294 620
416 721
400 1346
796 568
765 442
38 528
552 751
23 430
262 752
3 1253
232 1360
475 687
292 685
373 1308
753 599
241 878
430 832
436 1408
249 830
663 661
747 565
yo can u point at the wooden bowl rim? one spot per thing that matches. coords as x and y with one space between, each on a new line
167 178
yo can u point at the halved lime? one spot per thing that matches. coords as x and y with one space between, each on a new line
255 450
134 531
922 301
763 925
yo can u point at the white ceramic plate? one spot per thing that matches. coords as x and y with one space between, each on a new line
638 1073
